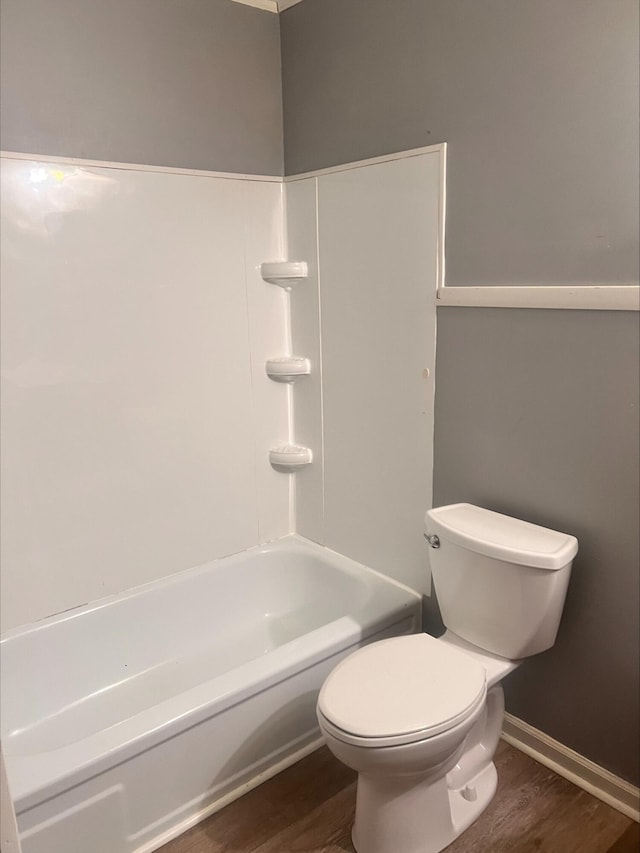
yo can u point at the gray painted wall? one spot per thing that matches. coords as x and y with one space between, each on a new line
536 411
537 100
185 83
537 416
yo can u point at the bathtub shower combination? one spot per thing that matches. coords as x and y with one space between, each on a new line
128 720
149 425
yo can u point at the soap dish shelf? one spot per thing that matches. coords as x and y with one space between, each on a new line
290 457
287 368
284 273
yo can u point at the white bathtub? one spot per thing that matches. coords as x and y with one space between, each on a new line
126 721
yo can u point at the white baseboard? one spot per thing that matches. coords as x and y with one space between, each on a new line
594 779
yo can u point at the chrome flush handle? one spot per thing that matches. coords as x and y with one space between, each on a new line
432 539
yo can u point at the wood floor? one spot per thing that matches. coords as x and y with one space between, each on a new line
309 809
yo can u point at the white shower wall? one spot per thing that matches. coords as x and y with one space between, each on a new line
372 234
136 412
137 416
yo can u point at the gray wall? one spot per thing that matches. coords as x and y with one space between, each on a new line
185 83
537 100
536 411
537 416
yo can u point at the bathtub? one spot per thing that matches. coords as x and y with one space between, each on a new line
128 720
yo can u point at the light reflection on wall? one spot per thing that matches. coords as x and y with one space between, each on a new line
37 197
38 200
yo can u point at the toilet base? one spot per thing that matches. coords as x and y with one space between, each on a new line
400 816
468 803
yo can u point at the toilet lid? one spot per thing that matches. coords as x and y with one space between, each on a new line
405 688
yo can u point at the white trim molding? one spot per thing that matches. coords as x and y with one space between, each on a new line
594 297
611 789
439 148
265 5
134 167
275 6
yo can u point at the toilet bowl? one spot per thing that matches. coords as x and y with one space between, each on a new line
420 718
420 736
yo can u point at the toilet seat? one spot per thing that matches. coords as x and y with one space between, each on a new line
401 690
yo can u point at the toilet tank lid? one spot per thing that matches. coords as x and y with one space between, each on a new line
501 537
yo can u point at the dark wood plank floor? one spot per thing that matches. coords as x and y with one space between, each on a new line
309 809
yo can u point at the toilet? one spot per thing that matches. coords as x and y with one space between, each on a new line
420 718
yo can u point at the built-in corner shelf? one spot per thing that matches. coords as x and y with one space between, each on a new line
287 368
290 457
284 273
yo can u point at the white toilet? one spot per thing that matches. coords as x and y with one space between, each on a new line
419 718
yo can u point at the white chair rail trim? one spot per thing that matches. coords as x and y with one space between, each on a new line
594 297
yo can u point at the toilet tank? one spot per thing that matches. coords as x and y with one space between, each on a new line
501 582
